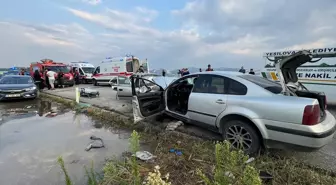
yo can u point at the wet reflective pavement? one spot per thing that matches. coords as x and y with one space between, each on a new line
30 143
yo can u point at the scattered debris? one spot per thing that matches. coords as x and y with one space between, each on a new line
96 143
51 114
177 152
144 155
265 177
87 92
250 160
173 125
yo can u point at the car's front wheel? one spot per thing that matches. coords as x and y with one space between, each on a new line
242 135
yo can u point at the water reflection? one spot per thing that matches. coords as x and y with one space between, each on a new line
25 109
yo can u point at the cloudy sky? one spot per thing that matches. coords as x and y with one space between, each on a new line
169 33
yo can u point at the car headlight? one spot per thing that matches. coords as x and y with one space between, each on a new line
30 89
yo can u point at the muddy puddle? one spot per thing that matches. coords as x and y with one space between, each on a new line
30 143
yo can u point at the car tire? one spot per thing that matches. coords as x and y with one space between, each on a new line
250 136
94 82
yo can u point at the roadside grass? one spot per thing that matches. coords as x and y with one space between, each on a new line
199 162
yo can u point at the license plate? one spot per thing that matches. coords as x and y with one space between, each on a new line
13 95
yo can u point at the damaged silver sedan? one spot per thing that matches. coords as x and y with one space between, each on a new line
250 112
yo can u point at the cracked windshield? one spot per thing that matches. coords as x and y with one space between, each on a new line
188 92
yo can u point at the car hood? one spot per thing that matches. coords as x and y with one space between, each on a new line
287 67
15 86
163 81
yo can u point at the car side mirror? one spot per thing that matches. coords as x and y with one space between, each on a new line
115 88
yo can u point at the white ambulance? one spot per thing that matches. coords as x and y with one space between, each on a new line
112 67
85 70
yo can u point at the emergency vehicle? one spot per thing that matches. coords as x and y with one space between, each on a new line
85 70
113 67
53 66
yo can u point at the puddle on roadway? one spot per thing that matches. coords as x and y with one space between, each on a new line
30 144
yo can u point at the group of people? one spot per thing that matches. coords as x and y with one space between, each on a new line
242 70
47 79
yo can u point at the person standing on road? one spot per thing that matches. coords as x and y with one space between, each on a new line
200 69
76 77
251 72
51 76
209 68
46 79
60 78
242 70
163 72
38 79
22 72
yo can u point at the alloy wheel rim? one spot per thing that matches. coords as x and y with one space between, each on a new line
239 137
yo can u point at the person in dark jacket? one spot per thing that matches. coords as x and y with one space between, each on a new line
76 77
185 71
60 80
22 72
141 70
38 79
200 69
242 70
163 72
209 68
251 72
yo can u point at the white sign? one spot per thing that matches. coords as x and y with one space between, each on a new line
290 52
325 73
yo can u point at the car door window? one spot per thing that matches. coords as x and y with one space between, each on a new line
235 88
97 71
124 80
212 84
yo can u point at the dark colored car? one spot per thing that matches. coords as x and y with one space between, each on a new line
17 87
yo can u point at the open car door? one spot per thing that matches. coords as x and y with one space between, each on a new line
148 99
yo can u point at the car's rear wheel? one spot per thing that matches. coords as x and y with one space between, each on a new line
242 135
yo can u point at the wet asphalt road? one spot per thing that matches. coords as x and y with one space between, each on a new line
30 144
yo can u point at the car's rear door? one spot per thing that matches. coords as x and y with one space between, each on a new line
148 99
124 88
207 99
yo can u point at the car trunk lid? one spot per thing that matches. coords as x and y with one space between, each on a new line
289 81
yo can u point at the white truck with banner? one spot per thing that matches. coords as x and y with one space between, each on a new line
85 70
112 67
318 77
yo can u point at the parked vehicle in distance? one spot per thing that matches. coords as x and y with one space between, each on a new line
123 86
251 112
85 70
57 67
112 67
17 87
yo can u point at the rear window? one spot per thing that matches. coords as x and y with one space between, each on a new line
269 85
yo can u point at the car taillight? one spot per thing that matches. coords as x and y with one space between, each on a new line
311 115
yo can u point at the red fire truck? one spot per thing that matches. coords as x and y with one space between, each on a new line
57 67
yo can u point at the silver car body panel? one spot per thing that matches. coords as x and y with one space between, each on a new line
277 117
124 90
